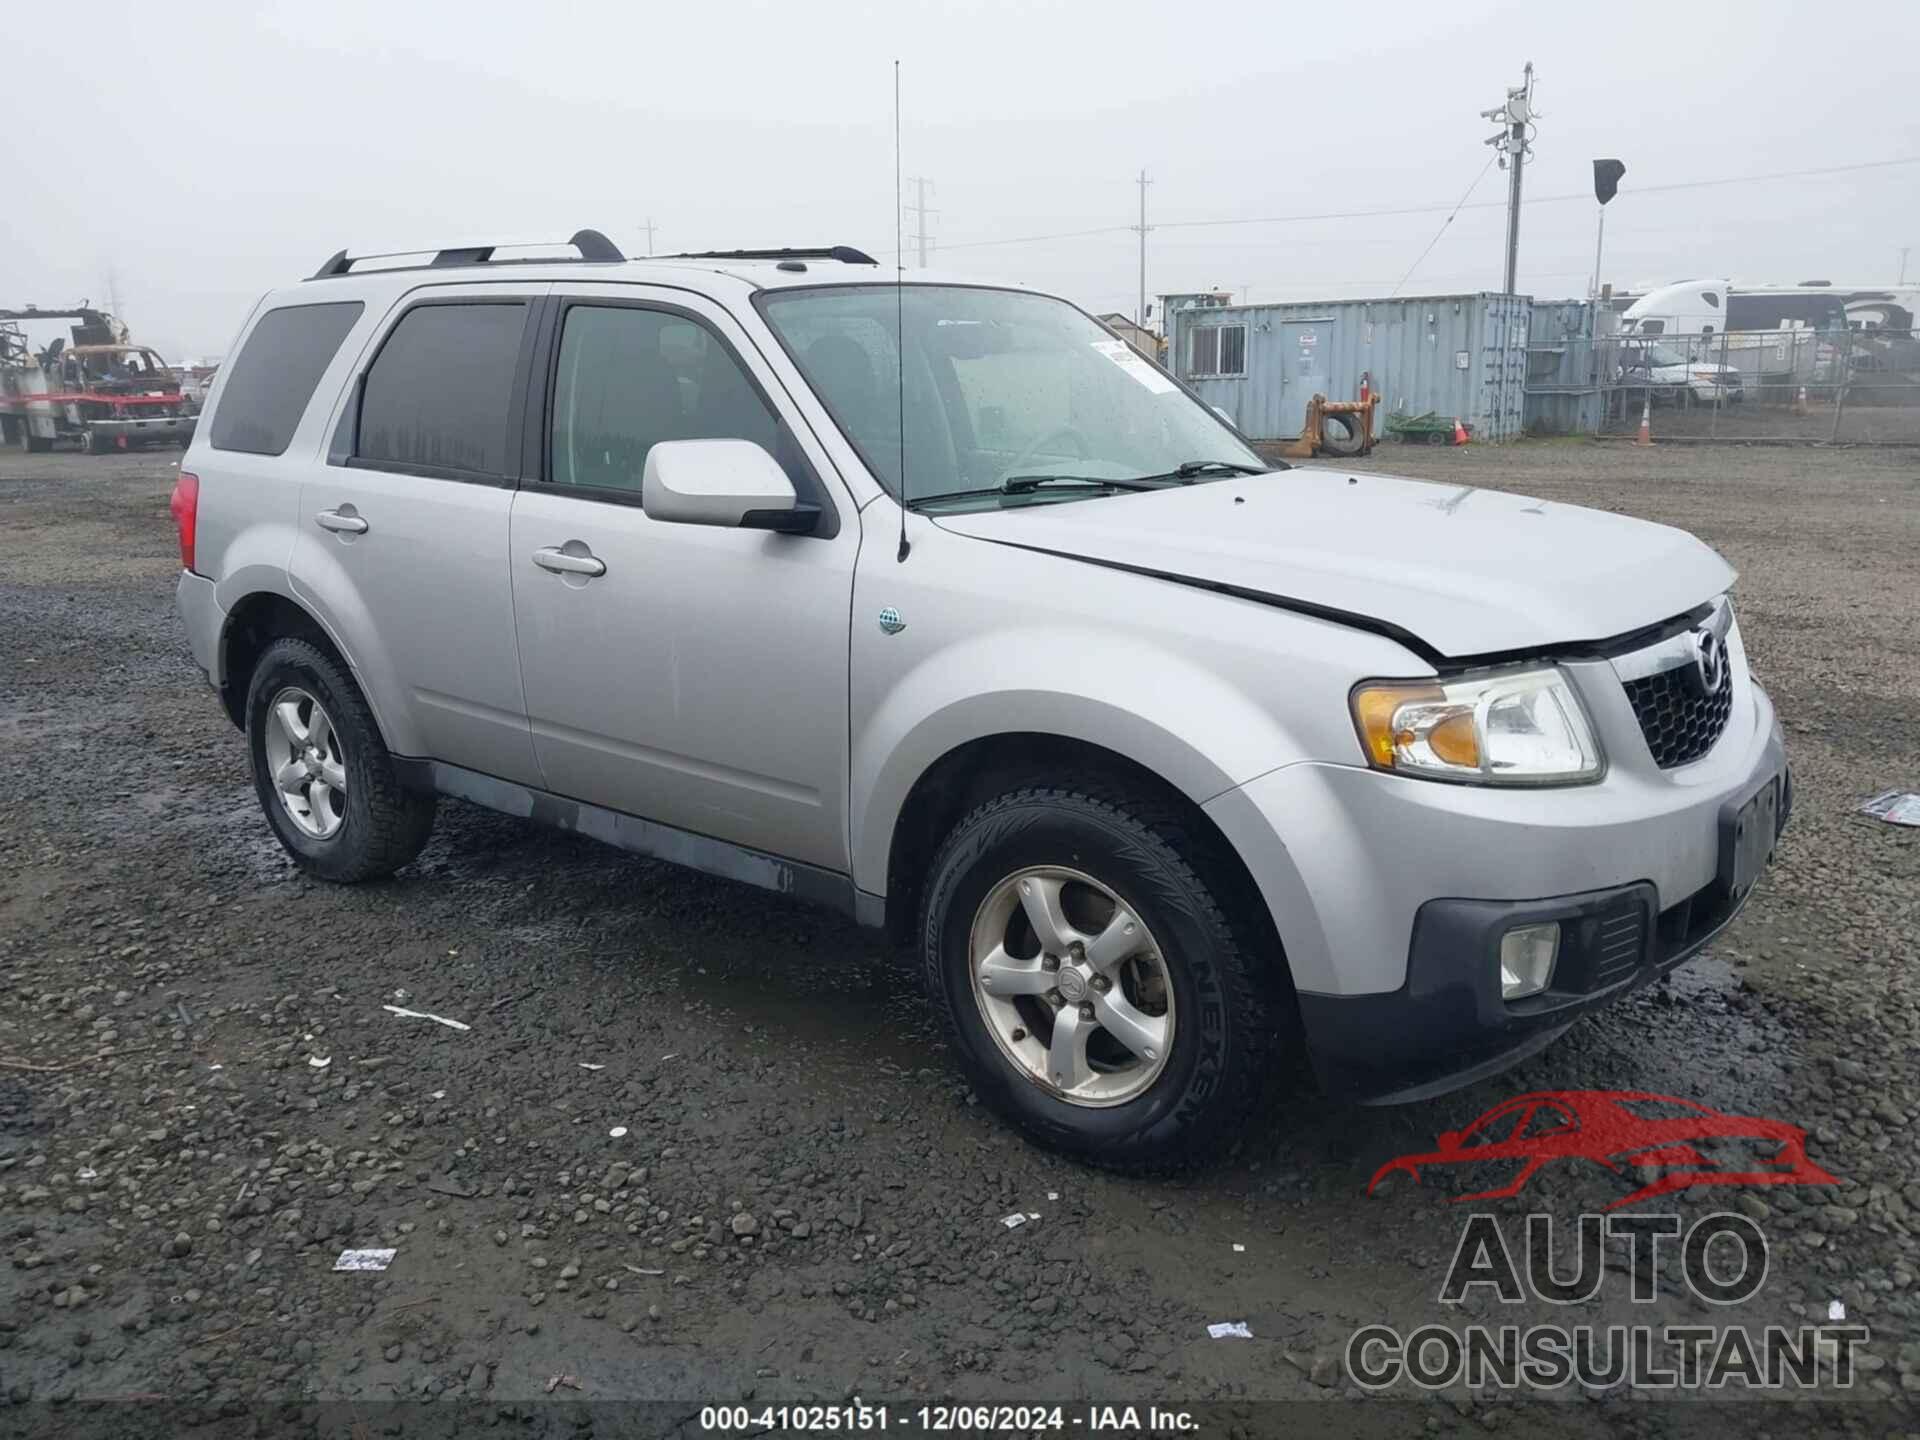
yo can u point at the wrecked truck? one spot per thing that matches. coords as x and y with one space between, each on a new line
92 387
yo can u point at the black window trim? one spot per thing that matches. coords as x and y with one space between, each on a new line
346 437
542 389
307 404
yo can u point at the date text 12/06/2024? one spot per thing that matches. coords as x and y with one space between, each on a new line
856 1415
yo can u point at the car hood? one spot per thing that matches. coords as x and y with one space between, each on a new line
1459 570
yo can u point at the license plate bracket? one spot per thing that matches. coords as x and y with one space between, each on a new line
1748 829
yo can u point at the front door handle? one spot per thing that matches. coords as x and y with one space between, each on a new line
343 522
563 562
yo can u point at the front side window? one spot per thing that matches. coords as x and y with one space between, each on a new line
996 385
629 379
440 391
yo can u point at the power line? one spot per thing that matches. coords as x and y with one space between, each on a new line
1444 224
1401 210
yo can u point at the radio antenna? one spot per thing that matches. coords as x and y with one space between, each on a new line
899 315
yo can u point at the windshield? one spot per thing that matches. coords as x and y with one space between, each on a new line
999 385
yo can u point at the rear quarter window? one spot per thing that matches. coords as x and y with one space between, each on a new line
269 383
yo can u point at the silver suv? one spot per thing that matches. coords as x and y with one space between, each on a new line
938 604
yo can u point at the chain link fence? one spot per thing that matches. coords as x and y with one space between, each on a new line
1858 386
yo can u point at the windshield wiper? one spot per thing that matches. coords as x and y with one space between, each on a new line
1027 484
1188 469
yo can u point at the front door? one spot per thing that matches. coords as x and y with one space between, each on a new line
1304 350
687 674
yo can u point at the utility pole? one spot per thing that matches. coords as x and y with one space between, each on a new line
921 212
1515 114
649 227
1140 316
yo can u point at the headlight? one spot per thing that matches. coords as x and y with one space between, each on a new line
1511 727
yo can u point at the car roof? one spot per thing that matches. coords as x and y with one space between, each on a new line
721 277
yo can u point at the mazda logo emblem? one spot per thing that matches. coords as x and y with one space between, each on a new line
1709 659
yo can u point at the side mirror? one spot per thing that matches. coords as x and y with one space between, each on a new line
734 483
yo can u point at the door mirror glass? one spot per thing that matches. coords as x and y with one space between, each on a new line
734 483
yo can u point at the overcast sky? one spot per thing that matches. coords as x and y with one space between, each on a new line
192 156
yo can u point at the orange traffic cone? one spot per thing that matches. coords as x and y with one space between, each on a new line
1800 402
1645 437
1459 433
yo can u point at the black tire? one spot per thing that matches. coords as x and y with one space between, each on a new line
1228 999
38 444
385 823
89 442
1340 435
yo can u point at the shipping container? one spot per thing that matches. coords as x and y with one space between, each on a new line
1572 366
1456 356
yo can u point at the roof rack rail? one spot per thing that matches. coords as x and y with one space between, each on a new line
591 244
845 254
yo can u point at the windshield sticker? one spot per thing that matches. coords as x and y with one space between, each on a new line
1128 359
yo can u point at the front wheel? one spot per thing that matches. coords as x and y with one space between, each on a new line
323 774
1099 992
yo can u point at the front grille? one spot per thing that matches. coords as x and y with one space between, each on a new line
1681 724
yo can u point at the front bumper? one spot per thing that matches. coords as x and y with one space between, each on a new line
1390 894
1449 1026
150 430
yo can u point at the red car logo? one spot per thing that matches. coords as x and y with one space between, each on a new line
1622 1130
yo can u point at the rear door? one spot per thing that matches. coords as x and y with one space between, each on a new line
700 679
402 539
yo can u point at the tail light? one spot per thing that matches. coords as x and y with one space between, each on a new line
185 506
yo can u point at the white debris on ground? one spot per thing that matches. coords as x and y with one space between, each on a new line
364 1259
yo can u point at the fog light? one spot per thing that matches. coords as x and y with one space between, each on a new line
1526 959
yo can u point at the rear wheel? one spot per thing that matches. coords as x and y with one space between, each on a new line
325 779
1099 993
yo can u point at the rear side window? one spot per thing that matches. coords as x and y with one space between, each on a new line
270 382
440 392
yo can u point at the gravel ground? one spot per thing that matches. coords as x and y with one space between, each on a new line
700 1144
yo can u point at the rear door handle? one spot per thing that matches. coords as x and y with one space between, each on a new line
341 522
563 562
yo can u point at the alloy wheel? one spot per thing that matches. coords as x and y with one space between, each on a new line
305 759
1072 986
